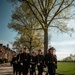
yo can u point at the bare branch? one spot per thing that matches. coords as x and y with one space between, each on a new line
40 6
56 12
41 1
37 10
34 13
65 7
52 7
38 29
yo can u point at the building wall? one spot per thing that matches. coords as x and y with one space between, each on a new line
6 53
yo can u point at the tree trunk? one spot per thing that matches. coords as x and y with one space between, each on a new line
30 49
45 40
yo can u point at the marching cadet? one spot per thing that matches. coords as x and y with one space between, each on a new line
25 61
14 63
19 66
51 61
55 59
32 63
40 62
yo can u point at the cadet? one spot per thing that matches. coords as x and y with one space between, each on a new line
25 61
14 63
19 66
55 59
40 62
51 61
32 64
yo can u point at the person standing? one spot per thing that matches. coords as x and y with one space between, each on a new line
40 62
25 61
33 63
51 61
14 63
55 60
19 66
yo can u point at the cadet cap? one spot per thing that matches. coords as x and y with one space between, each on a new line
25 48
39 50
52 48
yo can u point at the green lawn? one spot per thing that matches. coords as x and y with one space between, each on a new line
66 68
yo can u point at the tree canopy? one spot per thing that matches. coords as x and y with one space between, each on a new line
26 27
50 14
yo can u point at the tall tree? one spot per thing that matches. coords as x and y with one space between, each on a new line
50 13
26 27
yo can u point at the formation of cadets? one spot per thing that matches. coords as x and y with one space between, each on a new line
24 63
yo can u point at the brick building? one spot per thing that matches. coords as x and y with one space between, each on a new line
6 53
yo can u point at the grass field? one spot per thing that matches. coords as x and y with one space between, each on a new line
66 68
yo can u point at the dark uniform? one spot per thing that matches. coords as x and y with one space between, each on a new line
25 59
14 63
40 63
32 64
55 60
51 62
19 65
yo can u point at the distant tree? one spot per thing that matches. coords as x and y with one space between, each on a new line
32 42
50 14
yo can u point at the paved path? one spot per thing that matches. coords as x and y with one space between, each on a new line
6 69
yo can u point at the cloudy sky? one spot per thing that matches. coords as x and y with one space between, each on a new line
64 44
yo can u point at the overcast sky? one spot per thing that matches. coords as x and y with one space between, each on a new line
64 44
